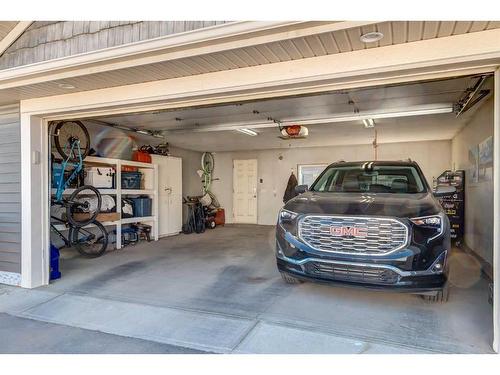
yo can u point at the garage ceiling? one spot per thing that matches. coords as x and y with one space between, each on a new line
205 129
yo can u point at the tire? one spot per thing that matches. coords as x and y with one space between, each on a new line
207 162
89 242
80 195
440 297
211 224
289 279
66 129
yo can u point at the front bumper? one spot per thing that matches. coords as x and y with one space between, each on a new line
411 269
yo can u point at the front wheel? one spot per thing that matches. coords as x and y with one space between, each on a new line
440 297
90 242
289 279
83 206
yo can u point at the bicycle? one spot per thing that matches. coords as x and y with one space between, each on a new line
86 242
72 141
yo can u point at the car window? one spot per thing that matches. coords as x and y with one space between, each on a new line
379 179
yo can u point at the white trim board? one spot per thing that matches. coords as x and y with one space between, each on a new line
12 36
10 278
496 213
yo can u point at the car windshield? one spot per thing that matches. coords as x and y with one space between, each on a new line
378 179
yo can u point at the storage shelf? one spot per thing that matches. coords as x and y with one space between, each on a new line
137 192
113 191
131 220
62 227
109 161
101 190
119 193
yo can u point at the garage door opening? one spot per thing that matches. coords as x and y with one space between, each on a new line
445 126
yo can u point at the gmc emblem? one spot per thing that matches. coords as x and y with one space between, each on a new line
348 232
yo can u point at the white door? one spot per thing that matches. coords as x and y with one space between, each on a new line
169 194
174 192
245 191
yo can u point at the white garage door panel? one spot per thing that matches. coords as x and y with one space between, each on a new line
245 191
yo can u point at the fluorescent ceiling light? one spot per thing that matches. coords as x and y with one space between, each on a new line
246 131
369 123
416 110
393 113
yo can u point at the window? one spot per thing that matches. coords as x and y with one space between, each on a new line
308 173
380 179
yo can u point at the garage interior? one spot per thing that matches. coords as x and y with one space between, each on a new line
230 271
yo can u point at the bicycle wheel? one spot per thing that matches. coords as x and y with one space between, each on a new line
207 162
91 242
66 132
83 206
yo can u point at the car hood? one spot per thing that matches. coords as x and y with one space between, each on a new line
380 204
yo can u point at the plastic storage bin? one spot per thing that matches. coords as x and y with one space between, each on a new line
131 180
99 177
56 174
142 206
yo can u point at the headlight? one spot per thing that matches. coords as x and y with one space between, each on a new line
286 216
288 221
433 225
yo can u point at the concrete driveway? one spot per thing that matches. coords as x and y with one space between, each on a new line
220 292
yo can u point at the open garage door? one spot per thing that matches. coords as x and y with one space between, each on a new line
445 127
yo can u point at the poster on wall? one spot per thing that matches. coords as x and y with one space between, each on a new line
474 163
486 153
486 160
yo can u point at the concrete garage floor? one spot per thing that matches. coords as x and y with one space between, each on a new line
220 292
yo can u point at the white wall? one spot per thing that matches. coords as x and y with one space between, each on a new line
433 157
478 196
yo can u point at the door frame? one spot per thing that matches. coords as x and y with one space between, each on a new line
256 192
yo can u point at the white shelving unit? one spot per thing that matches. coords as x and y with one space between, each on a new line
119 193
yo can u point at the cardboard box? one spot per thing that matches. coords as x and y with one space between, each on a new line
102 217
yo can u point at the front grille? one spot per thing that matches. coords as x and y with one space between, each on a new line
354 273
375 236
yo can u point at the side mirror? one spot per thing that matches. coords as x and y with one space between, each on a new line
442 190
301 189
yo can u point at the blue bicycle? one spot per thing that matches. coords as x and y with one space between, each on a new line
72 141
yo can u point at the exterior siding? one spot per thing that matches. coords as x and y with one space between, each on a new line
10 191
49 40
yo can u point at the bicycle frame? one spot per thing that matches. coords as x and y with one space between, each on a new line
67 242
63 184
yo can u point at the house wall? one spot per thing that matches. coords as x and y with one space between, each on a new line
478 234
10 195
47 40
433 157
